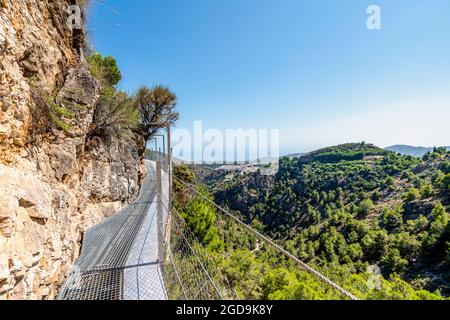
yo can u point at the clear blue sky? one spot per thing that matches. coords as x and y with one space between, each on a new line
310 68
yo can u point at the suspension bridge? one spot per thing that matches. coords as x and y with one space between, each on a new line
147 252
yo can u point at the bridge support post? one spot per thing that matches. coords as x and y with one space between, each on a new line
159 212
169 159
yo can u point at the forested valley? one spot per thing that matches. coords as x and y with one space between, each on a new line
373 221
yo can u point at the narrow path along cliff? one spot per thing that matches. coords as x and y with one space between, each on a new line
119 257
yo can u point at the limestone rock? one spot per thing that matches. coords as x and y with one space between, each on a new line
4 267
6 210
54 187
63 160
80 94
6 227
80 87
6 213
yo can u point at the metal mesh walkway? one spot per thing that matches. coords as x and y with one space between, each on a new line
119 257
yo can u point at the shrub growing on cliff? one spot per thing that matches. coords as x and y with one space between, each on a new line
59 114
115 113
104 69
157 107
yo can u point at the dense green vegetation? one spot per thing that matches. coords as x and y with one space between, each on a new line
341 216
59 114
104 69
347 152
118 113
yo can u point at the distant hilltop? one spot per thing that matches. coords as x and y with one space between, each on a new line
411 150
347 151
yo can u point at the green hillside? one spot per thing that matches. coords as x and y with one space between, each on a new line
347 208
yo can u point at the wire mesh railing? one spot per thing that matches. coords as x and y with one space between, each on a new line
189 272
157 156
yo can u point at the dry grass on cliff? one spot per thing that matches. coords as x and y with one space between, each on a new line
40 115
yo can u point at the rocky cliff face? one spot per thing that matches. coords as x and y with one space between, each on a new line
53 183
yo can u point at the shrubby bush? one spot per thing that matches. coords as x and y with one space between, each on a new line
117 113
392 218
412 194
104 69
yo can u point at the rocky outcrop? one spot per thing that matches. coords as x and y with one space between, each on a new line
34 44
53 187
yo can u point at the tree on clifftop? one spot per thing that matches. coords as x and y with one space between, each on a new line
104 69
157 107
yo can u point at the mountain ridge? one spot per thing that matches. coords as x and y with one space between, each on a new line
416 151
